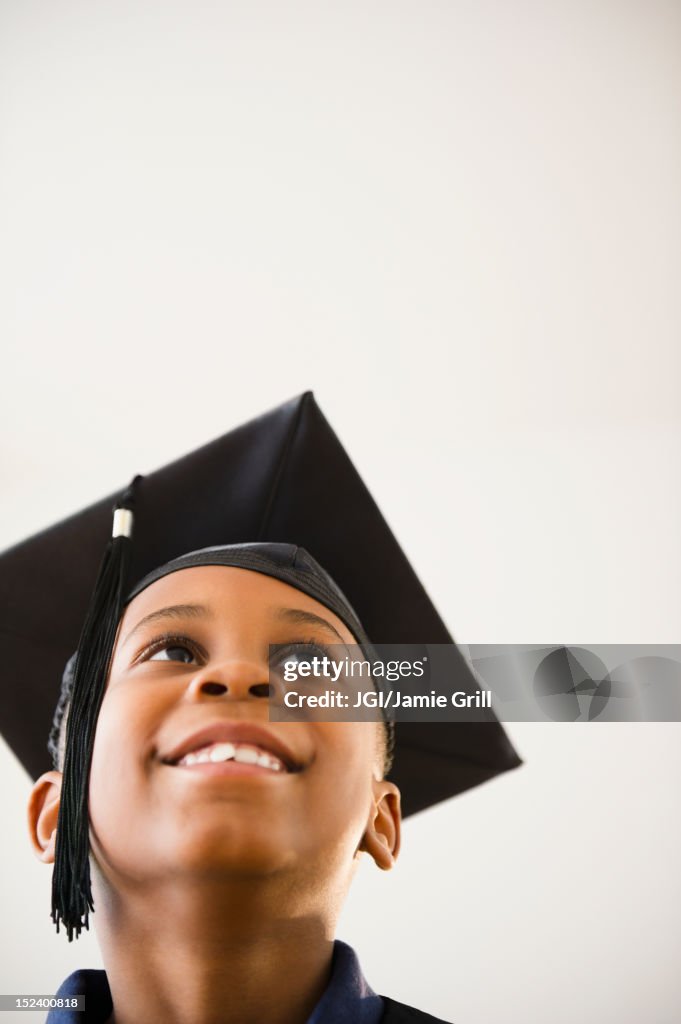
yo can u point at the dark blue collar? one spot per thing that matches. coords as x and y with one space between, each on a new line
347 997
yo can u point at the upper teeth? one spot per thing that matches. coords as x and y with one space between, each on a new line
244 753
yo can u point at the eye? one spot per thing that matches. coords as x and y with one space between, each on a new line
170 648
173 653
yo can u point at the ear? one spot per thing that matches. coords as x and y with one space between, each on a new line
43 811
381 839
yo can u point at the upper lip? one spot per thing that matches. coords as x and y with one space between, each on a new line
233 732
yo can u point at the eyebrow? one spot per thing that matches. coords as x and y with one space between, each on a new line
299 616
173 611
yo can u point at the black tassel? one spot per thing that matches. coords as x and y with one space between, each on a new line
71 884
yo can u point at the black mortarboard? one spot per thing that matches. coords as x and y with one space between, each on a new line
283 477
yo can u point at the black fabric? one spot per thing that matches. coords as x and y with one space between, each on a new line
286 562
400 1013
282 477
94 985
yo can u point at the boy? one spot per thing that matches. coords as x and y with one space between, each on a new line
222 844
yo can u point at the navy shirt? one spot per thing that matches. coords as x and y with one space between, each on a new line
347 997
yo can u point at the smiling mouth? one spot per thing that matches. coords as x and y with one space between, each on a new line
246 754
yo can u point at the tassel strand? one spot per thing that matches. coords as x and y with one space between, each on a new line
72 899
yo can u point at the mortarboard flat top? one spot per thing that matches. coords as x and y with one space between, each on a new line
283 477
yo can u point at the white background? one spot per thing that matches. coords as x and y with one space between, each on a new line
459 224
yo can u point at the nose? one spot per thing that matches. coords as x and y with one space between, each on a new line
233 680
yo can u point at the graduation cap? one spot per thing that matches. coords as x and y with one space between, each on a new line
279 483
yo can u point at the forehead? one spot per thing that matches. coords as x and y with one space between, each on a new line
221 588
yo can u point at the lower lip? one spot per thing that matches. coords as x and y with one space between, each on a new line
232 768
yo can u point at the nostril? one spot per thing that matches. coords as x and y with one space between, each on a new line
261 689
215 689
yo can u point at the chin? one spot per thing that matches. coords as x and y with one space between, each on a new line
226 848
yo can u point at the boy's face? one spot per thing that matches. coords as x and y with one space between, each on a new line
154 820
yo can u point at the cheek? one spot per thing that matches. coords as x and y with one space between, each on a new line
342 783
120 765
